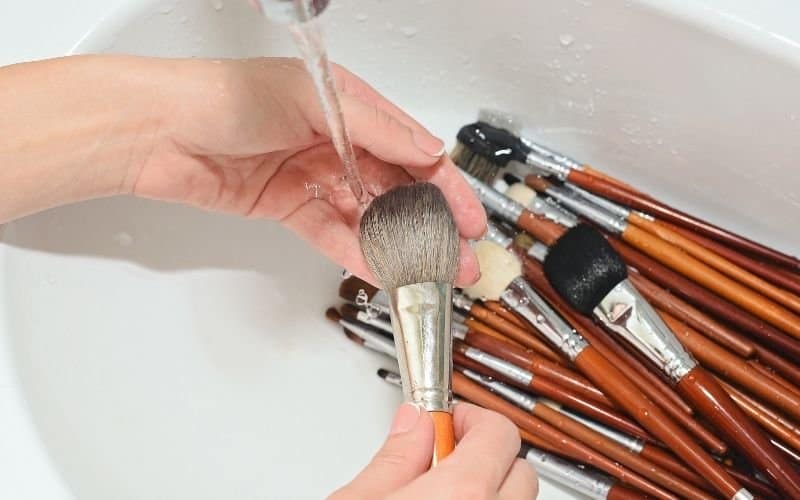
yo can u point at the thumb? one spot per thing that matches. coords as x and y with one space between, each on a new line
404 456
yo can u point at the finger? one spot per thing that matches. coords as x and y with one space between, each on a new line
352 85
467 210
487 448
404 456
521 483
468 269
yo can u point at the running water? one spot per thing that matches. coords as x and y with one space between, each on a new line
308 36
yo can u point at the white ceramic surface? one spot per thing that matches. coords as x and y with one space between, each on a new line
151 351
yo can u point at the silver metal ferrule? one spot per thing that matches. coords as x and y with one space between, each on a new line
547 164
496 235
589 210
551 154
633 444
459 330
742 494
375 321
373 340
523 300
604 203
421 320
499 365
495 201
511 394
553 212
624 311
393 378
538 251
462 302
591 484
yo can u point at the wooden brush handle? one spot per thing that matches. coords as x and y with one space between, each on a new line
548 434
717 262
777 276
611 180
497 308
544 230
706 300
538 366
653 207
701 388
732 367
713 280
787 369
519 334
699 320
652 418
622 492
478 326
618 452
444 437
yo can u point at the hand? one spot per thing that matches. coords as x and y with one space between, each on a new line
241 136
483 465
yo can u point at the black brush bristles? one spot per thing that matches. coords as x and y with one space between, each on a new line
408 236
583 268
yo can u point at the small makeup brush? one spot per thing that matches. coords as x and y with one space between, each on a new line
591 276
678 260
502 279
411 244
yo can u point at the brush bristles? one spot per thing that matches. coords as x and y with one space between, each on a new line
408 236
476 166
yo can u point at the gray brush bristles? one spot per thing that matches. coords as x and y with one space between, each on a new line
475 165
408 236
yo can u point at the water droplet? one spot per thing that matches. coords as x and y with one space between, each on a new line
408 31
793 117
166 8
473 79
516 37
183 20
556 63
566 39
389 26
587 47
50 279
361 17
569 78
659 141
218 5
654 119
123 239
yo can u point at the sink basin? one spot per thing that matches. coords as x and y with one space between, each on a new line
163 352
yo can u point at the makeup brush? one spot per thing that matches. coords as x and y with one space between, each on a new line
679 260
591 276
411 244
501 279
590 437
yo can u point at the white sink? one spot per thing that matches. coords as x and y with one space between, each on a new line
165 353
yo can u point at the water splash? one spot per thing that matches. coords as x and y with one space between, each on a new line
218 5
409 31
308 37
566 39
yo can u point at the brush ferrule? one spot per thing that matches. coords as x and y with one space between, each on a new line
462 302
460 330
604 203
598 215
494 234
421 320
538 251
501 366
743 494
551 154
372 320
393 378
522 299
588 483
513 395
372 340
494 201
624 311
547 164
633 444
553 212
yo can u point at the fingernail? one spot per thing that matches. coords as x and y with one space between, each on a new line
405 419
429 144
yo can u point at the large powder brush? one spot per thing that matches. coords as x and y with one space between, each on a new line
410 242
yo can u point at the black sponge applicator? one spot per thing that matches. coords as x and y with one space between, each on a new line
583 268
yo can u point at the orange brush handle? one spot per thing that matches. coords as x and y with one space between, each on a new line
444 437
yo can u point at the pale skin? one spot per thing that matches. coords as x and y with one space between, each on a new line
248 137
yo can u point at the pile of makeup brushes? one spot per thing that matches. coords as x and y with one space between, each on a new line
641 351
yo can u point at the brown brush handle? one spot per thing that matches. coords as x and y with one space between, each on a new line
444 437
611 180
777 276
618 452
759 488
651 206
692 316
717 262
538 366
497 308
760 368
715 404
652 418
475 393
546 388
732 367
714 280
477 326
521 335
622 492
649 383
706 300
544 230
783 430
790 371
